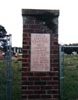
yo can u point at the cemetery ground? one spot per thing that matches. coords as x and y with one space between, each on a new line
70 82
16 80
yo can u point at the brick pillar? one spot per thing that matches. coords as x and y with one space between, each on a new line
40 83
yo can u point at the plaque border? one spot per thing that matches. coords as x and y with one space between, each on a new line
49 54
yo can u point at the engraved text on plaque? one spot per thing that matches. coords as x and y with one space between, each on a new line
40 52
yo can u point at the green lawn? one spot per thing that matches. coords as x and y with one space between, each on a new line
70 85
16 80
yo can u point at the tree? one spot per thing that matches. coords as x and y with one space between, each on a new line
3 32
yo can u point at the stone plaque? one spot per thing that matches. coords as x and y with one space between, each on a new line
40 52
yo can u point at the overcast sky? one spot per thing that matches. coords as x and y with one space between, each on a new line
11 17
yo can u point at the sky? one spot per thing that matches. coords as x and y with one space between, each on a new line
11 18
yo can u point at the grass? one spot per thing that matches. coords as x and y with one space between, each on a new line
16 79
70 84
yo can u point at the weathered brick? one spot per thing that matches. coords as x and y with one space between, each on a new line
28 30
40 82
26 42
27 83
24 78
26 35
46 78
25 65
39 85
33 78
46 96
24 97
47 87
25 52
34 96
33 87
39 92
27 73
26 60
27 92
24 87
40 74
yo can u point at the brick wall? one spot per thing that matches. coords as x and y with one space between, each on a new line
39 85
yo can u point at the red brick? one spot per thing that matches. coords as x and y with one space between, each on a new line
55 91
24 73
39 85
55 51
28 30
26 39
55 87
55 78
24 97
46 96
56 96
46 78
39 92
25 69
33 78
24 87
27 92
25 52
35 96
54 47
35 26
26 35
24 78
40 74
54 65
26 56
53 74
29 21
27 83
25 65
27 47
27 73
55 69
33 87
47 87
26 42
55 42
25 59
54 83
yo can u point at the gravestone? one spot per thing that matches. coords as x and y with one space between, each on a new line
40 60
